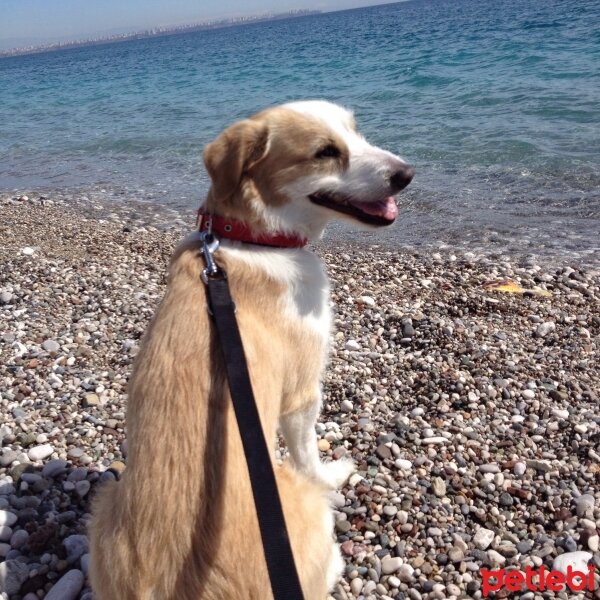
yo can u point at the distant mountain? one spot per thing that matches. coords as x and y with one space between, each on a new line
155 32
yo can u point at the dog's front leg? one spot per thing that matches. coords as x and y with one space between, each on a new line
298 428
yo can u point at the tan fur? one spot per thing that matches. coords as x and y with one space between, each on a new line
181 524
247 171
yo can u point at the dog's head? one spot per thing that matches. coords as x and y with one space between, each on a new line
295 167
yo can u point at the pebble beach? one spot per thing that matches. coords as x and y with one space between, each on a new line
464 385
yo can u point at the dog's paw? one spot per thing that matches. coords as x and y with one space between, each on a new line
335 473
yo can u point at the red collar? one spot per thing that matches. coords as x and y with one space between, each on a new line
239 231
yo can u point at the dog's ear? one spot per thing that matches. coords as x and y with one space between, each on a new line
233 153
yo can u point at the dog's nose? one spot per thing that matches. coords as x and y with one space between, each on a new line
401 178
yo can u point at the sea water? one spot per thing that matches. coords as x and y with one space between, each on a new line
497 104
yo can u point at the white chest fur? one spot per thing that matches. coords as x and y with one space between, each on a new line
306 298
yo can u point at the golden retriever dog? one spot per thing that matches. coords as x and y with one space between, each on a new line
181 524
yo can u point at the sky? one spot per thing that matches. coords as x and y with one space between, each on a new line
31 22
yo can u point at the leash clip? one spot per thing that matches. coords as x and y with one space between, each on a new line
210 244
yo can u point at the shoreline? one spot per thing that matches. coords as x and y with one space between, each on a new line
102 205
472 415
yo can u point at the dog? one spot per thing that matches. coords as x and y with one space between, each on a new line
181 523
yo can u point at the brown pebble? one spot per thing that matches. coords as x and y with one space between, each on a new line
347 547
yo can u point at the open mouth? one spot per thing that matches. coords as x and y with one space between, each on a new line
381 212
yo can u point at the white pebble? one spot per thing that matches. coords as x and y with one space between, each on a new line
543 329
352 345
356 586
585 505
402 463
40 452
578 561
346 406
391 564
55 381
483 538
434 441
7 518
519 469
496 558
355 479
405 573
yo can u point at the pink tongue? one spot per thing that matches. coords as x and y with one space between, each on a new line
386 209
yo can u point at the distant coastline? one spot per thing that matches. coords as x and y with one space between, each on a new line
160 32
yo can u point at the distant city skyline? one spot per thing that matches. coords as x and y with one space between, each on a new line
38 22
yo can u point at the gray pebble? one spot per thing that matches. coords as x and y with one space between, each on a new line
75 545
67 587
8 457
489 468
5 533
18 539
13 573
55 467
51 346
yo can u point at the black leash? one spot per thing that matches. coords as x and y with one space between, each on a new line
283 574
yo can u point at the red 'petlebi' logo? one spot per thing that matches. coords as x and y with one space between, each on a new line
554 581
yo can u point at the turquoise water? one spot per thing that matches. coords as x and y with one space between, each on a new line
496 103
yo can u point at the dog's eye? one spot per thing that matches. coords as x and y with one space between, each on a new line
329 151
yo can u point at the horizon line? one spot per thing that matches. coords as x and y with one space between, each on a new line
169 30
